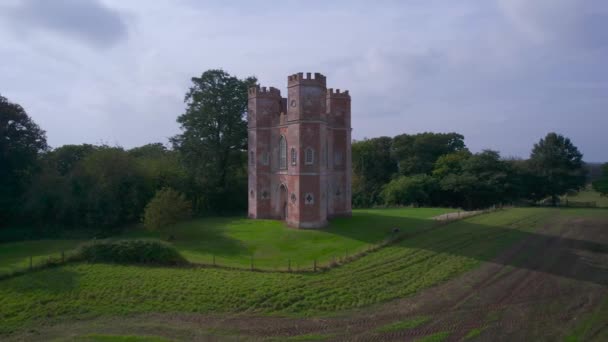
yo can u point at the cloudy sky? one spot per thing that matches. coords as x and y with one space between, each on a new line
503 73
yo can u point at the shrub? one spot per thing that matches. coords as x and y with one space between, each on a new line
165 209
130 251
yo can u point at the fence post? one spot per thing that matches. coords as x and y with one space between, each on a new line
314 267
252 262
288 265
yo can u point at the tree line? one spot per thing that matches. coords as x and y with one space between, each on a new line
437 169
104 188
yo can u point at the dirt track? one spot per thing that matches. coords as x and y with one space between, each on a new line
537 290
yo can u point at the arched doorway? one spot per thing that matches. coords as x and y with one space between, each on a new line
283 202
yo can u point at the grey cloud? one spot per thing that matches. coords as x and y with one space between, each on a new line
87 20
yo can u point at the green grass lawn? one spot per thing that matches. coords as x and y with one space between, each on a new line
15 256
234 241
588 195
87 290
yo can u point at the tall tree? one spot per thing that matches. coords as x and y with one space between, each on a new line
21 141
418 153
601 185
559 164
373 166
214 134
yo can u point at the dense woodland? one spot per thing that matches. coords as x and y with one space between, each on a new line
104 188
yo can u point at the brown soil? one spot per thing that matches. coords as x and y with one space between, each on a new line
537 290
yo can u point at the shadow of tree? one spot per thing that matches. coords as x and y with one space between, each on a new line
56 280
561 246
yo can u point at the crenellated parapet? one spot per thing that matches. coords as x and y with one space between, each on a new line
337 93
270 92
308 79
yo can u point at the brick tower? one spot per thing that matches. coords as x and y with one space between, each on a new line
299 152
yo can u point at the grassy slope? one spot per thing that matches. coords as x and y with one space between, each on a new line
16 255
77 291
234 241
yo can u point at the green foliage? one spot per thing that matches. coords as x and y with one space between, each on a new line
21 142
373 167
130 252
213 138
165 209
417 154
477 181
601 185
559 164
415 190
424 260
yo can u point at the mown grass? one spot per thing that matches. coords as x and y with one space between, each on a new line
404 325
84 290
235 241
15 256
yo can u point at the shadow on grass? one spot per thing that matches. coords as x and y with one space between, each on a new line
56 281
580 256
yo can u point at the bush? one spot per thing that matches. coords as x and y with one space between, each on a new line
130 251
166 208
410 190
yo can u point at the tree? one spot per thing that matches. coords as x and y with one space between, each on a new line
415 190
559 164
21 142
476 181
601 185
373 167
166 208
214 136
418 153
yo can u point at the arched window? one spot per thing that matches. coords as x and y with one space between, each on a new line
294 156
338 158
282 153
309 157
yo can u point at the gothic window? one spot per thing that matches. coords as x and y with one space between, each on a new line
265 158
294 156
282 153
264 194
252 158
338 158
251 193
309 157
309 199
293 197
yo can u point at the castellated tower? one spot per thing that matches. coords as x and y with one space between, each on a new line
299 152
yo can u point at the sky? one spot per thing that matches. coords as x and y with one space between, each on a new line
503 73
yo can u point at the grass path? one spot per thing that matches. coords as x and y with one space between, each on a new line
81 290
